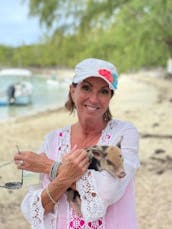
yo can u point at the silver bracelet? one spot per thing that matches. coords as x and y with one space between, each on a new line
54 170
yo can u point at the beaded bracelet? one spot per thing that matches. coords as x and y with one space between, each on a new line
54 170
48 193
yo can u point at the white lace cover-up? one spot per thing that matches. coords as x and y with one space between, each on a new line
106 202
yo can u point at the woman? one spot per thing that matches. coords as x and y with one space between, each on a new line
106 202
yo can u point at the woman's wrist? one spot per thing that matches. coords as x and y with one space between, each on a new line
53 171
48 166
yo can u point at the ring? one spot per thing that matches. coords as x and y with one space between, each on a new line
21 162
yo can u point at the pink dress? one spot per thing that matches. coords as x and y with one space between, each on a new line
106 202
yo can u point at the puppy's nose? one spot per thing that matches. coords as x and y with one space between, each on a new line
121 174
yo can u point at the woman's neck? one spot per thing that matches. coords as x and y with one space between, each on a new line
84 135
90 128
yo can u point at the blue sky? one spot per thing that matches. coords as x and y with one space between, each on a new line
16 27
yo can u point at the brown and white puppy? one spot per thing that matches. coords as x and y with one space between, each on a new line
107 158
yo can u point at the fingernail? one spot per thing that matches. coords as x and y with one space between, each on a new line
74 147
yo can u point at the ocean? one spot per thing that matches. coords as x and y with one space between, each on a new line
46 94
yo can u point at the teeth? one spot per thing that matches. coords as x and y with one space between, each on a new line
91 108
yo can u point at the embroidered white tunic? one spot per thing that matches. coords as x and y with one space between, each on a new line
106 202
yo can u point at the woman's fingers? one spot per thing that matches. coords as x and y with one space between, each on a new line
78 159
19 163
74 165
31 161
76 153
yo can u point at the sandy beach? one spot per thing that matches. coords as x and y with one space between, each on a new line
144 99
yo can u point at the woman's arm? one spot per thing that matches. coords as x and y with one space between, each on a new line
37 203
73 166
37 163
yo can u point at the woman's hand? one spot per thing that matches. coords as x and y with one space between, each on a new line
28 160
73 186
74 165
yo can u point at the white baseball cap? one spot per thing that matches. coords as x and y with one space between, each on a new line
93 67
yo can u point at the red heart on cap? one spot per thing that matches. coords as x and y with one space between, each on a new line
107 74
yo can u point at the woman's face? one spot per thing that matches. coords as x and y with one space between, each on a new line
91 97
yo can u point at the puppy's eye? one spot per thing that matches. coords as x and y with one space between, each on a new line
109 162
96 153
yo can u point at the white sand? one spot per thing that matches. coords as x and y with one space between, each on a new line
145 101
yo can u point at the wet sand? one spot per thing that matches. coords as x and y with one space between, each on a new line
144 99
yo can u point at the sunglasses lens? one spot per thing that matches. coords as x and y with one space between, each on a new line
13 185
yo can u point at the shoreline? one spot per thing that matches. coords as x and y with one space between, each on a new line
53 95
38 112
146 102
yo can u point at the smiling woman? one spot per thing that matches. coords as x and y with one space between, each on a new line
106 202
91 98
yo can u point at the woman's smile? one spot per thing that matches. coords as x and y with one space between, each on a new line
91 108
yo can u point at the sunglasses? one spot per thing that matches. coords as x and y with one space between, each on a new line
14 184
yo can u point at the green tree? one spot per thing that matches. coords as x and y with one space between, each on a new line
134 33
130 33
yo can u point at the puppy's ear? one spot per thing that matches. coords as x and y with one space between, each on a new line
97 154
119 143
98 151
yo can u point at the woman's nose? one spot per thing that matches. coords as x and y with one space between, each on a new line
93 97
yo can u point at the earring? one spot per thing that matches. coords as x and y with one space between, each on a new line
105 116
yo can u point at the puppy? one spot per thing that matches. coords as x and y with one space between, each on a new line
107 158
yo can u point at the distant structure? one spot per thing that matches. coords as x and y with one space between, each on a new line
17 93
169 67
16 72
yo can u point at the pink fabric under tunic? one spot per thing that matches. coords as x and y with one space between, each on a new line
106 202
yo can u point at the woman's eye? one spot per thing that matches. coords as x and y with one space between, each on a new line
104 91
85 87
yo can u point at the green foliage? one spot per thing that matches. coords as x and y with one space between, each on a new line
6 54
130 33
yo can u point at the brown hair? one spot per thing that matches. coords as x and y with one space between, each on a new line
70 106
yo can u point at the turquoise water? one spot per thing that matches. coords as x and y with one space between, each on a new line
44 96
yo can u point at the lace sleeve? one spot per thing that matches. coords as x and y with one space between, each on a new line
98 190
92 206
31 205
32 208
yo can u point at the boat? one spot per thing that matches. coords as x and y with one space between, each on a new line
17 93
20 101
15 72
